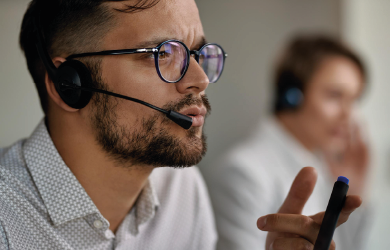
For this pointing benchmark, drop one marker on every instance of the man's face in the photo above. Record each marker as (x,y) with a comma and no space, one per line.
(133,133)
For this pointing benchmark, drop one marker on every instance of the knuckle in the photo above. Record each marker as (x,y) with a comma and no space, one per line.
(310,226)
(307,223)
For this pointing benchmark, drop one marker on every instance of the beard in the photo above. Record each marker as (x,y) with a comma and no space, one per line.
(151,143)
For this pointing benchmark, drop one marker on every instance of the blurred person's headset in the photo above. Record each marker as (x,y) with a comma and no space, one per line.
(73,82)
(289,93)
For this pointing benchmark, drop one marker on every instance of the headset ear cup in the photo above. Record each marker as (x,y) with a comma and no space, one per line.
(76,73)
(293,98)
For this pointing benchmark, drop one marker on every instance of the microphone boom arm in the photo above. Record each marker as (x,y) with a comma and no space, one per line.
(180,119)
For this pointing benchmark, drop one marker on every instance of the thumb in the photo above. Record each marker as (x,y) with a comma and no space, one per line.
(300,191)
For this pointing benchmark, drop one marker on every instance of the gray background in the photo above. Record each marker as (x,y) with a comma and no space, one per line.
(252,32)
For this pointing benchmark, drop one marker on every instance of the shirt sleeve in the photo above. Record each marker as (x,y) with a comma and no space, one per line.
(239,197)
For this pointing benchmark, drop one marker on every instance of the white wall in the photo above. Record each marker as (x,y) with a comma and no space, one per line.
(252,32)
(19,104)
(366,24)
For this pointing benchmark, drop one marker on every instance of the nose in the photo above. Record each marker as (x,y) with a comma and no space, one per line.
(195,80)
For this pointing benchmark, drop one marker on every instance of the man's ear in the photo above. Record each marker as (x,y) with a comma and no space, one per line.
(51,90)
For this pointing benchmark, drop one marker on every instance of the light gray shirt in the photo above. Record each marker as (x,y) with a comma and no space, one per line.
(43,206)
(254,178)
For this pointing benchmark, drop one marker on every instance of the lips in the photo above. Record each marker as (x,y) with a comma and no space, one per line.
(197,114)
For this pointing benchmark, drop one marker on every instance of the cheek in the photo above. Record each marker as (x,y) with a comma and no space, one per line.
(327,111)
(129,77)
(322,117)
(137,80)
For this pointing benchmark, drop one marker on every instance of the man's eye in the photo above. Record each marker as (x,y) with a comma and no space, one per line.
(163,55)
(201,59)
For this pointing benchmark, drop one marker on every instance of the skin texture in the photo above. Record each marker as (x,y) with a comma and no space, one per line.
(106,180)
(325,120)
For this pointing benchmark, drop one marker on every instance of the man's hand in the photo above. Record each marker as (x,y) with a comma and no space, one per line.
(288,229)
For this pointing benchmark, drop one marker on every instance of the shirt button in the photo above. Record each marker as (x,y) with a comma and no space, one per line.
(98,224)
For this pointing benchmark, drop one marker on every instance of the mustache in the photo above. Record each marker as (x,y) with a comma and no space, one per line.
(189,100)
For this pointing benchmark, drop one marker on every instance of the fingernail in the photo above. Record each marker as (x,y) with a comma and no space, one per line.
(261,222)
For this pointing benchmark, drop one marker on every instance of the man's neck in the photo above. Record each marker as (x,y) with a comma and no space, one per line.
(113,187)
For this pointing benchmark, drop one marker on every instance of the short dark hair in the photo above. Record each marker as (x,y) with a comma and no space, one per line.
(68,26)
(302,57)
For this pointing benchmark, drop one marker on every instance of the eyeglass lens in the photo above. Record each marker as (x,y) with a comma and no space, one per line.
(173,61)
(211,60)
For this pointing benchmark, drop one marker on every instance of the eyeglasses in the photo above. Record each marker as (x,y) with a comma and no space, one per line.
(172,59)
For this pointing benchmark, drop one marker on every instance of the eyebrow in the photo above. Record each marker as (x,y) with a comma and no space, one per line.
(152,43)
(202,42)
(155,42)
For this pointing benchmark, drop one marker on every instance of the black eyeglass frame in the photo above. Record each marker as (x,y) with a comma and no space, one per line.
(156,51)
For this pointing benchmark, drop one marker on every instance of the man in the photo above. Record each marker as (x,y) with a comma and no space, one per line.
(90,175)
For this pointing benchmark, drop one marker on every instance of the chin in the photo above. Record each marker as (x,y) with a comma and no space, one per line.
(336,145)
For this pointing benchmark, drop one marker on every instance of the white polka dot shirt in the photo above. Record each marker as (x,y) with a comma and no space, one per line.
(43,206)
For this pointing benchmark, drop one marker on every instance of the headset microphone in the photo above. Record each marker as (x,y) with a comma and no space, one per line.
(180,119)
(73,82)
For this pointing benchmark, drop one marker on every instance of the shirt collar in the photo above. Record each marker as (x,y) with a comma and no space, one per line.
(63,195)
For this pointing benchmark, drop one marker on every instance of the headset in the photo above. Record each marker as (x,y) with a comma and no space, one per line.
(289,94)
(73,82)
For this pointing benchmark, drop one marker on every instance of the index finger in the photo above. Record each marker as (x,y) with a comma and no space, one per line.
(300,191)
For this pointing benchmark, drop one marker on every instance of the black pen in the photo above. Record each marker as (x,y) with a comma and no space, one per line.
(332,213)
